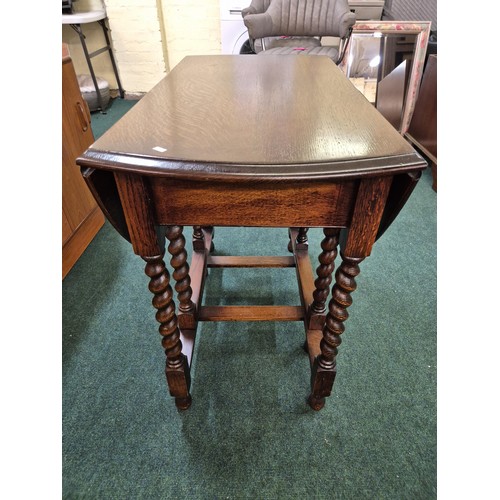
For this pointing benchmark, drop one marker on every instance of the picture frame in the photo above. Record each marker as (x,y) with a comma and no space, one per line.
(422,31)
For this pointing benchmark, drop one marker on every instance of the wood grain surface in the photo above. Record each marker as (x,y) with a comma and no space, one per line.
(256,203)
(275,116)
(81,217)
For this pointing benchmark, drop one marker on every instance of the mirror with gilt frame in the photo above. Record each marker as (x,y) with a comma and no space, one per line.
(385,61)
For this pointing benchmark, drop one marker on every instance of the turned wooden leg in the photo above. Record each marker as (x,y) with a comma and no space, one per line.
(301,242)
(324,272)
(198,239)
(177,250)
(212,246)
(302,236)
(324,367)
(176,369)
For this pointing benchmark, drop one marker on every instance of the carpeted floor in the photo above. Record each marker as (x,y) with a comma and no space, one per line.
(249,432)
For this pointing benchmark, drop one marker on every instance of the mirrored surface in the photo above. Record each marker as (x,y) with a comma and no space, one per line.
(384,61)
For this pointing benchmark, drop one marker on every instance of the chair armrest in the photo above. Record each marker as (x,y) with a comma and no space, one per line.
(259,25)
(345,23)
(255,7)
(248,10)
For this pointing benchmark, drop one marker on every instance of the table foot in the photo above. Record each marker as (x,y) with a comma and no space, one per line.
(183,403)
(178,378)
(322,377)
(316,403)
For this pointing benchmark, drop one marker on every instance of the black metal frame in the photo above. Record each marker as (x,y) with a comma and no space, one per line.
(89,56)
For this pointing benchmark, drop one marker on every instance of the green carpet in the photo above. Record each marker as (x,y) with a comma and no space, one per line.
(249,432)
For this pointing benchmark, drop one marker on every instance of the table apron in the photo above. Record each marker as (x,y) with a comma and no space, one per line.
(282,204)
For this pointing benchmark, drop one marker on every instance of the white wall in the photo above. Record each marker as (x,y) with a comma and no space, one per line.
(95,40)
(137,37)
(149,38)
(192,27)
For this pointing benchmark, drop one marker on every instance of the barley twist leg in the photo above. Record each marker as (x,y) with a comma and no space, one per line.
(176,369)
(181,268)
(325,270)
(325,365)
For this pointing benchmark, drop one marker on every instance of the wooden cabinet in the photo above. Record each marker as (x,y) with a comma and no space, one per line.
(81,217)
(422,132)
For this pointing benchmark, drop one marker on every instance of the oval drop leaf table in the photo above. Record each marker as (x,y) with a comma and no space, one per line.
(280,141)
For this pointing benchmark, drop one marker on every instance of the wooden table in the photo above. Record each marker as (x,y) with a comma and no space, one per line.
(248,141)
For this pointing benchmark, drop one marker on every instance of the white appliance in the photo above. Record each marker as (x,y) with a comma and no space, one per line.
(366,10)
(234,35)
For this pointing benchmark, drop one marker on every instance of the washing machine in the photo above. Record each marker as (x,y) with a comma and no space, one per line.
(234,34)
(367,10)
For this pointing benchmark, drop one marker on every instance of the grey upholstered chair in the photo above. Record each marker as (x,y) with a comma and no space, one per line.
(301,18)
(260,44)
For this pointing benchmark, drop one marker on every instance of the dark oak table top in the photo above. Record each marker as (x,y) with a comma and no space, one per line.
(240,116)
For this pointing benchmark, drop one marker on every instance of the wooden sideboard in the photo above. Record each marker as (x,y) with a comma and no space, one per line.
(81,217)
(422,132)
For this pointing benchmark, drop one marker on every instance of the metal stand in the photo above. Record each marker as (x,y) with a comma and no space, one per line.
(77,27)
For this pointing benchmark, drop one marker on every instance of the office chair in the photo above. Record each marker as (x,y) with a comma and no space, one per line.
(306,19)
